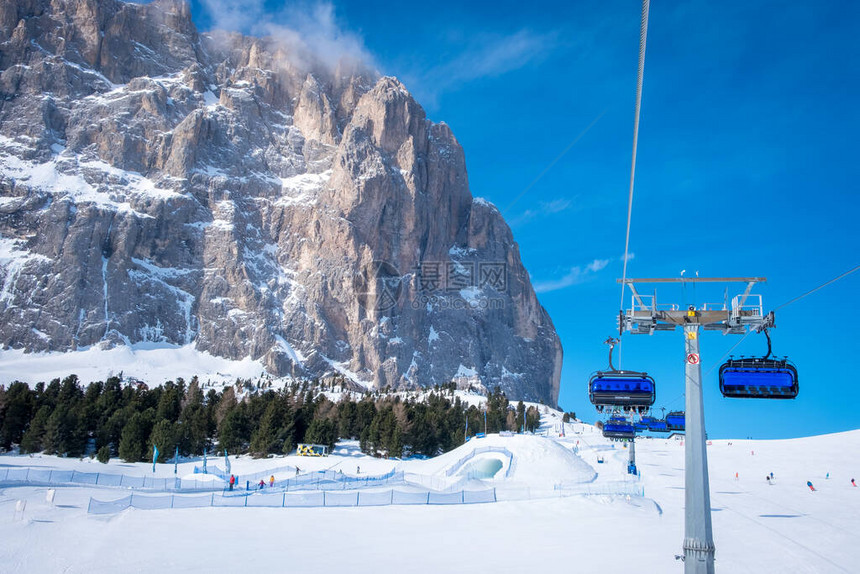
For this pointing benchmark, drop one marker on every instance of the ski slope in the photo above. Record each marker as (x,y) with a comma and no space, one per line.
(545,519)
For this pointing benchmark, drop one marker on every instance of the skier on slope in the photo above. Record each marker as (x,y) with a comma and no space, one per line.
(272,481)
(232,481)
(809,484)
(853,483)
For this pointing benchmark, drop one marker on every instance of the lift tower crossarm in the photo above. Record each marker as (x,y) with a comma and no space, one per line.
(751,280)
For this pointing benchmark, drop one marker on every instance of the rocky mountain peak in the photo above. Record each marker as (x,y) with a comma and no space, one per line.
(164,187)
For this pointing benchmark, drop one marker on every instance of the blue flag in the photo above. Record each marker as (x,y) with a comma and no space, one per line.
(204,461)
(175,460)
(226,461)
(154,456)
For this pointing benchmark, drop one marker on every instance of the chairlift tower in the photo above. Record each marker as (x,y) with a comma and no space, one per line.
(645,316)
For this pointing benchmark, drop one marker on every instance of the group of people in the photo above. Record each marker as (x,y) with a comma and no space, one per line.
(769,479)
(233,480)
(262,484)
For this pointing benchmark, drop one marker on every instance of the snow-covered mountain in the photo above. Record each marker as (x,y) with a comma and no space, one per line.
(239,195)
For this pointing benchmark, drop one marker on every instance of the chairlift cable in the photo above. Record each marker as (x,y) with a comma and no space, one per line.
(825,284)
(643,35)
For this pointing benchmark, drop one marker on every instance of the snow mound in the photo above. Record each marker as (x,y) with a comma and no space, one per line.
(536,460)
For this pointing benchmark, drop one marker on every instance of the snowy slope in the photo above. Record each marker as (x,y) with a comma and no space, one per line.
(153,363)
(758,527)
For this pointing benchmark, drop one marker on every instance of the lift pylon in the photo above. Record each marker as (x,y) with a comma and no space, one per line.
(646,316)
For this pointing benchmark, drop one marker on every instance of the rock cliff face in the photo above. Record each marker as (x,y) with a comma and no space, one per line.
(159,185)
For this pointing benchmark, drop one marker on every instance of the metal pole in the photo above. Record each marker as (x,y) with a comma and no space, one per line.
(698,533)
(631,462)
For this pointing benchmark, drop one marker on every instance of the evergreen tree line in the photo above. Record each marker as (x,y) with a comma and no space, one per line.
(113,418)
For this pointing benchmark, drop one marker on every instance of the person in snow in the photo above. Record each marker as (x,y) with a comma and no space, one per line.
(232,481)
(262,484)
(767,478)
(853,483)
(809,484)
(771,475)
(272,481)
(357,470)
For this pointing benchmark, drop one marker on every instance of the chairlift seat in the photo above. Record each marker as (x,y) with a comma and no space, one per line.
(758,378)
(675,421)
(619,430)
(626,389)
(658,425)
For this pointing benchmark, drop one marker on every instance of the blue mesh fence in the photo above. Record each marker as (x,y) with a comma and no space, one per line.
(375,498)
(46,476)
(265,500)
(340,498)
(150,502)
(193,501)
(305,499)
(290,500)
(108,507)
(479,496)
(445,498)
(400,497)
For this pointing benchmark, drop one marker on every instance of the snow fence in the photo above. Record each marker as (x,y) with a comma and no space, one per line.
(318,480)
(292,500)
(49,477)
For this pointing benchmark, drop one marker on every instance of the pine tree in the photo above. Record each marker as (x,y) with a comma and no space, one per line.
(15,414)
(135,435)
(103,455)
(322,431)
(164,436)
(32,440)
(521,416)
(231,431)
(264,440)
(346,413)
(532,419)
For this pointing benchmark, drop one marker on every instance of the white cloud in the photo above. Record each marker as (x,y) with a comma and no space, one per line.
(597,265)
(484,56)
(576,275)
(544,208)
(308,31)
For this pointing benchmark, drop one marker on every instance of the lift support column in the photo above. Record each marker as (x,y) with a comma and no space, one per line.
(698,534)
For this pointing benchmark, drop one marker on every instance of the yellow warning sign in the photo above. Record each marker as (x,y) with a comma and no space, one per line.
(692,335)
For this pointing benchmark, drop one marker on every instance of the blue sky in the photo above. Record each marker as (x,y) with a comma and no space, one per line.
(747,165)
